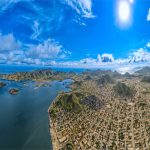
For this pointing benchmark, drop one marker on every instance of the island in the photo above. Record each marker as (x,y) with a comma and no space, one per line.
(2,84)
(13,91)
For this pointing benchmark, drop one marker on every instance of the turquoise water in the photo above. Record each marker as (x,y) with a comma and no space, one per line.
(24,117)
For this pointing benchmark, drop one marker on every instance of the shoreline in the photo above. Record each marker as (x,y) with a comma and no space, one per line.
(54,140)
(52,130)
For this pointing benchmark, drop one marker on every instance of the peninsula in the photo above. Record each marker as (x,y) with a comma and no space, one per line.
(104,111)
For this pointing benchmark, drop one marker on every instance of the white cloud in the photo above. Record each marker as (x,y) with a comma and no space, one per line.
(4,4)
(107,61)
(47,50)
(107,58)
(36,30)
(99,58)
(50,52)
(80,22)
(104,60)
(8,43)
(12,56)
(82,7)
(140,55)
(121,61)
(148,44)
(41,22)
(12,51)
(88,61)
(148,15)
(124,69)
(3,57)
(32,61)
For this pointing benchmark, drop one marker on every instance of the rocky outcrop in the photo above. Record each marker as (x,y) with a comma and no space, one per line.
(13,91)
(2,84)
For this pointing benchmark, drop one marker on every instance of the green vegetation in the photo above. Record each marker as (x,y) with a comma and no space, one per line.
(121,136)
(98,145)
(69,146)
(142,105)
(53,112)
(123,90)
(70,101)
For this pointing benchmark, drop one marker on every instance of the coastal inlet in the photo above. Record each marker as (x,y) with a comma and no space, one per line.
(24,117)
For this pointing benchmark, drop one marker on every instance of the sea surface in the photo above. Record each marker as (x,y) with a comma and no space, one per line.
(24,117)
(5,69)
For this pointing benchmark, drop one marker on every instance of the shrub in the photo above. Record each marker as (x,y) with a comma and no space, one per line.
(69,146)
(53,113)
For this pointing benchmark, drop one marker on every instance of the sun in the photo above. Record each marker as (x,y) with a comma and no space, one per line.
(124,11)
(131,1)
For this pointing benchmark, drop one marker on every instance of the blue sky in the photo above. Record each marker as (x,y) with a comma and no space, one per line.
(74,32)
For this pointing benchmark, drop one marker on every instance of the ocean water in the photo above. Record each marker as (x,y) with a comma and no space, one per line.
(24,117)
(12,69)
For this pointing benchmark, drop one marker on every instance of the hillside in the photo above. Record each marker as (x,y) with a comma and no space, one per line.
(46,74)
(143,71)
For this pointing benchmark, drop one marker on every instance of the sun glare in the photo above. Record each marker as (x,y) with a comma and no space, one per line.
(124,11)
(131,1)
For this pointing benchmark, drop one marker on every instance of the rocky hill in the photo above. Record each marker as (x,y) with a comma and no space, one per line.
(105,79)
(144,71)
(38,75)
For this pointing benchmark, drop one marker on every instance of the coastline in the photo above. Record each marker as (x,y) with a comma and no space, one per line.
(52,130)
(54,140)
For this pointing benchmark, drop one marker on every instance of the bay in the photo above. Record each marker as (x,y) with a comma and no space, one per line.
(24,117)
